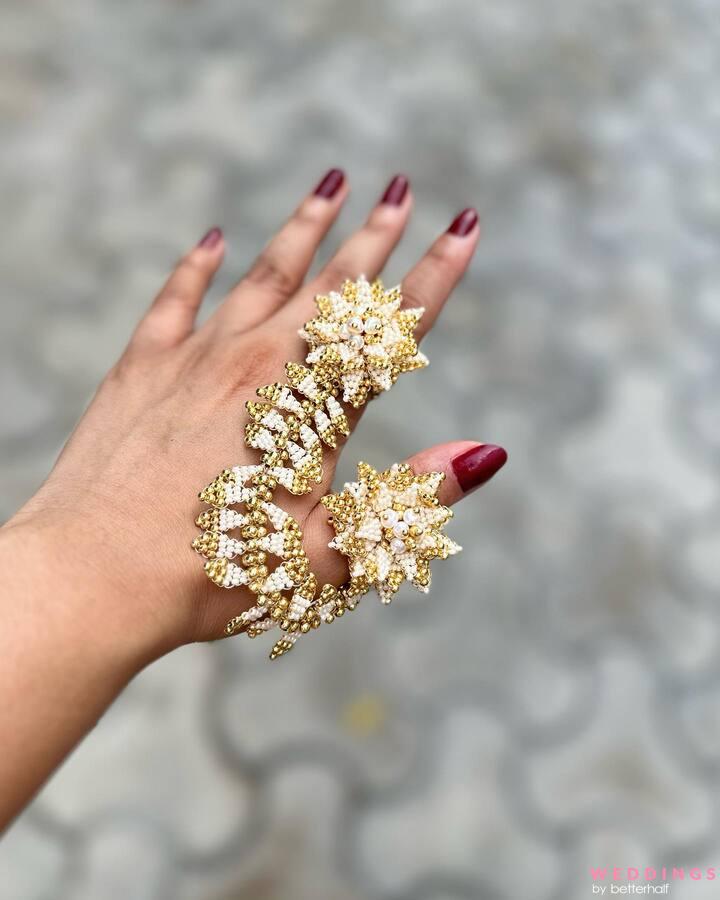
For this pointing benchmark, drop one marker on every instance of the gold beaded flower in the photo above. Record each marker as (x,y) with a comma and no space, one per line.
(364,337)
(389,525)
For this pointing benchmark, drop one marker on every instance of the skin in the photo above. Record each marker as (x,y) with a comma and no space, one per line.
(98,576)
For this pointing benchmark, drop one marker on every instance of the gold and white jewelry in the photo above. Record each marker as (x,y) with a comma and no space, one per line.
(370,336)
(360,343)
(389,525)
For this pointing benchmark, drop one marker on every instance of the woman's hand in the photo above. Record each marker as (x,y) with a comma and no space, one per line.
(170,414)
(99,577)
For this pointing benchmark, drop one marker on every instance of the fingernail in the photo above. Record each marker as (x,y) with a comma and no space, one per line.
(463,223)
(330,184)
(395,191)
(478,465)
(211,239)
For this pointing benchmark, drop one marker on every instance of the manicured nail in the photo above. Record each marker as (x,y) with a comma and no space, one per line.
(330,184)
(478,465)
(395,191)
(463,223)
(211,239)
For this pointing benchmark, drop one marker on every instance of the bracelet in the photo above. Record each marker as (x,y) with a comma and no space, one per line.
(388,524)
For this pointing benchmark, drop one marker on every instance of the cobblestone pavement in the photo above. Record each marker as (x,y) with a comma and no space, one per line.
(579,722)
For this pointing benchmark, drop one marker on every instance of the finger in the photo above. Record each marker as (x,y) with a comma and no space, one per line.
(429,284)
(282,266)
(365,253)
(466,465)
(431,281)
(171,317)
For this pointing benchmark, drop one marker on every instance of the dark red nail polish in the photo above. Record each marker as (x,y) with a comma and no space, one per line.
(211,239)
(478,465)
(330,184)
(463,223)
(395,191)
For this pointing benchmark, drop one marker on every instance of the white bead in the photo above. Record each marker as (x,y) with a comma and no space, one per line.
(397,546)
(389,518)
(400,529)
(373,325)
(356,341)
(410,516)
(355,325)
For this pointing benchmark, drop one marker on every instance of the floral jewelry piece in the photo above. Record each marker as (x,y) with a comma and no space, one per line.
(371,336)
(388,524)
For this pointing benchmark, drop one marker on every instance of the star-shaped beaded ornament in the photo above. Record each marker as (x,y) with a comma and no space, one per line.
(390,525)
(362,333)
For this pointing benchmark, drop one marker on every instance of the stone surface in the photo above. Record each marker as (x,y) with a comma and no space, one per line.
(404,755)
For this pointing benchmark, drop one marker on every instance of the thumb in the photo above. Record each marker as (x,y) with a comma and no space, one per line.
(466,465)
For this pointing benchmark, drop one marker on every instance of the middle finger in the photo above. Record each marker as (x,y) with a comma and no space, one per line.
(365,252)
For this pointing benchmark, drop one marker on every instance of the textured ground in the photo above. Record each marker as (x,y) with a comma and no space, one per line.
(577,720)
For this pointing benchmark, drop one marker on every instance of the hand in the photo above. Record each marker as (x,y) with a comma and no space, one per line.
(169,416)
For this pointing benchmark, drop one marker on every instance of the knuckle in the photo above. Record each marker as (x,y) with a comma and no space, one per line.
(377,230)
(439,256)
(267,272)
(337,270)
(191,263)
(379,224)
(260,364)
(172,298)
(171,307)
(308,215)
(182,284)
(417,294)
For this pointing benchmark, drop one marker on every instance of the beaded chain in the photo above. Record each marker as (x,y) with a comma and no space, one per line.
(388,524)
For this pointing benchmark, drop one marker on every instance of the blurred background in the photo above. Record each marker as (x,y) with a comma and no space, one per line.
(555,702)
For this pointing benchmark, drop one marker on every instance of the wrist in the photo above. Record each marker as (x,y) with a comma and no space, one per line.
(56,584)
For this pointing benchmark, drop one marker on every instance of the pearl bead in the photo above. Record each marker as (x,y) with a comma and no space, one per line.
(389,518)
(356,341)
(397,546)
(373,325)
(400,529)
(355,325)
(410,516)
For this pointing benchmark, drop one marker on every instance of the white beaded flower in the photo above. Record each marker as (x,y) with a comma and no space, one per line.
(389,525)
(364,335)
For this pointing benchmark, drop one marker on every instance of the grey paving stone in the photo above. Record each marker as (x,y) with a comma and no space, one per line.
(554,702)
(120,862)
(31,863)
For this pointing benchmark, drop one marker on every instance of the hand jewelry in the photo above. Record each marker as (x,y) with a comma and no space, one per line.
(388,524)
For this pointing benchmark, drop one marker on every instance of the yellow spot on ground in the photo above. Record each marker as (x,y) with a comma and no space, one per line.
(365,715)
